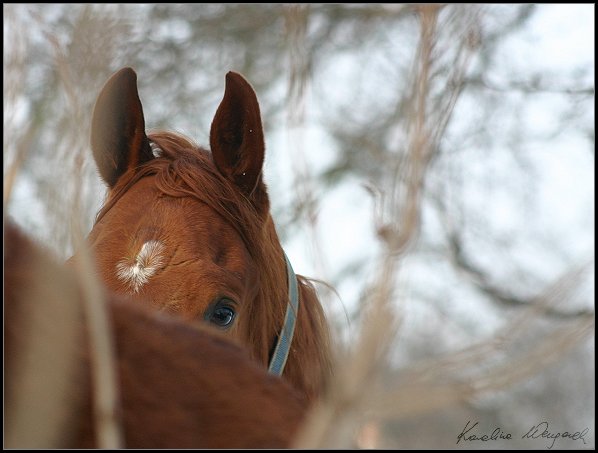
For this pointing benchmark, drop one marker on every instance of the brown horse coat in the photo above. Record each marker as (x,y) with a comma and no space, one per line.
(181,385)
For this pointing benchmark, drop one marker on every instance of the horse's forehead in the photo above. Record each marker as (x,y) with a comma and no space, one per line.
(181,224)
(146,231)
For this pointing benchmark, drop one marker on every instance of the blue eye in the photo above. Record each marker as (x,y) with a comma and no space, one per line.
(222,315)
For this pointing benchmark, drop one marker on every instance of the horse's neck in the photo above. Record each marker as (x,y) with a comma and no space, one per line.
(309,364)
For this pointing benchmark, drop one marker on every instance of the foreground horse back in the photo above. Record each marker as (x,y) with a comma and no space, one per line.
(180,385)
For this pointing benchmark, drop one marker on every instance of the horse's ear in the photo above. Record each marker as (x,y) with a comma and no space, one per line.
(237,139)
(118,139)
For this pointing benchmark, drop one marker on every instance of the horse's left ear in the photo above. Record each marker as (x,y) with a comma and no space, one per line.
(237,138)
(118,139)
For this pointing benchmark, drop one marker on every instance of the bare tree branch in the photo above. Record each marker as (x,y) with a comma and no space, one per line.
(505,298)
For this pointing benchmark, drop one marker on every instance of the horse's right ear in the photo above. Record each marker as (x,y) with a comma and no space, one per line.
(118,139)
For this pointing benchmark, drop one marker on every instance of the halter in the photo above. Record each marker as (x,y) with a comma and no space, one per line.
(283,345)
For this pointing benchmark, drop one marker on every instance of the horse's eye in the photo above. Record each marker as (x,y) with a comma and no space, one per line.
(222,316)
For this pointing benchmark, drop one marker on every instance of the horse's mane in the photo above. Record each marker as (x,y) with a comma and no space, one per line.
(184,169)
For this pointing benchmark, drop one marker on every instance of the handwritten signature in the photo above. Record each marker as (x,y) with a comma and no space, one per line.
(539,431)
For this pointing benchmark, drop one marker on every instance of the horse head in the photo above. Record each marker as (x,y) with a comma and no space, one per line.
(189,231)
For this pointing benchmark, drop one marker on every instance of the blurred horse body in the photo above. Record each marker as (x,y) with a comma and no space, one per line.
(181,385)
(189,231)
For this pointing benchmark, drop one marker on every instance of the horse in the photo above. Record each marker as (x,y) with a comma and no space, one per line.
(188,230)
(181,384)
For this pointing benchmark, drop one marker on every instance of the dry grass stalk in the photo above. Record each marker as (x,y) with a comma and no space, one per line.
(71,150)
(16,143)
(335,420)
(105,389)
(306,200)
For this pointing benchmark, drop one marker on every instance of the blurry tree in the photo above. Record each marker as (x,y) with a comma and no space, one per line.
(487,247)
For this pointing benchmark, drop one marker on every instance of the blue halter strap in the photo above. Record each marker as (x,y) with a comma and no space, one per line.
(283,346)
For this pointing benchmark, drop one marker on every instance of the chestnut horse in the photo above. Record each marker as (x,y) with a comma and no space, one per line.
(189,231)
(180,385)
